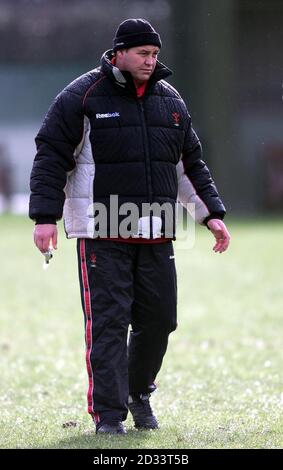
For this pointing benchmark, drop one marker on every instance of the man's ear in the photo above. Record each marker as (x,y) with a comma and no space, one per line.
(121,52)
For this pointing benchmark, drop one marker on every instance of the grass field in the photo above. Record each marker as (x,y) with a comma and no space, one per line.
(221,381)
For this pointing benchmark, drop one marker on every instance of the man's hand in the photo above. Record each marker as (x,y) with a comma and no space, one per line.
(42,235)
(222,236)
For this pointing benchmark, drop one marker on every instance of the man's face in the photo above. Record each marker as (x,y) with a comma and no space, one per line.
(140,61)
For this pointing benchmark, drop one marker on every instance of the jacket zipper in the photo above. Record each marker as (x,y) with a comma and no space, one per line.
(147,161)
(146,151)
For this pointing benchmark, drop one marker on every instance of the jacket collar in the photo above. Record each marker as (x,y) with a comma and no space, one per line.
(125,79)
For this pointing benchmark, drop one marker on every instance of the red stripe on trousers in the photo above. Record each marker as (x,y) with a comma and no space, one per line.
(87,304)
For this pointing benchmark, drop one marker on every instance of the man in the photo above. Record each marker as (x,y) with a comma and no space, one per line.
(120,134)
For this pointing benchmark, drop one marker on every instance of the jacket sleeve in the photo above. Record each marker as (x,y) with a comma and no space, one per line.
(56,141)
(196,188)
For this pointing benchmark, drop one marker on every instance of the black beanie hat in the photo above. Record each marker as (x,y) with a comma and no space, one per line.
(135,32)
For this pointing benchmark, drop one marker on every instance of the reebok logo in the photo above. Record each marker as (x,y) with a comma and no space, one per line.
(107,115)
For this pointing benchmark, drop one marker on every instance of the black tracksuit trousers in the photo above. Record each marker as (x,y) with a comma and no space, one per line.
(123,284)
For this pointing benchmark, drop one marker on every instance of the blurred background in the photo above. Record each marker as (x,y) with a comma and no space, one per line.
(228,65)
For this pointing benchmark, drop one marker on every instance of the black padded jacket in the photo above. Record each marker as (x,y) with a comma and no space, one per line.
(99,139)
